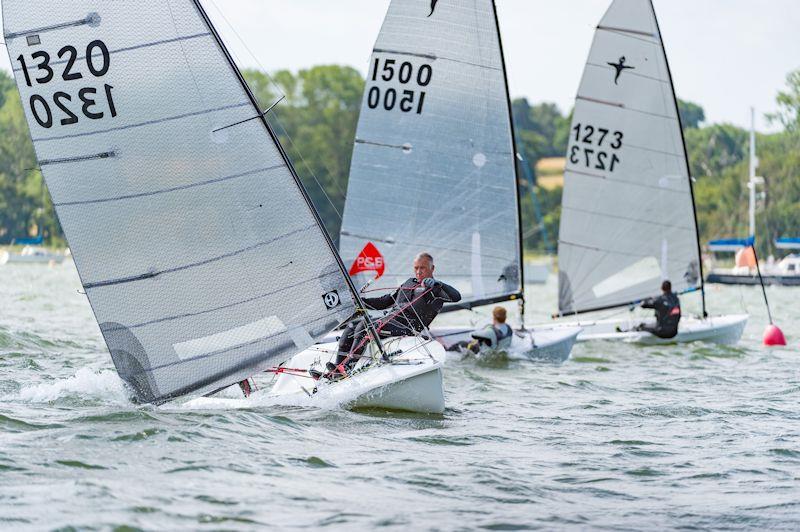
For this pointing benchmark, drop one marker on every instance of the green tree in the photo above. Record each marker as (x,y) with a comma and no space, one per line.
(788,101)
(24,205)
(317,125)
(691,114)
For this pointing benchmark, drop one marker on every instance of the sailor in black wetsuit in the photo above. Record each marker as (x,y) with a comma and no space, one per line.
(413,307)
(668,313)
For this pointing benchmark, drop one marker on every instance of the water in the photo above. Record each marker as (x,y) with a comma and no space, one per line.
(622,437)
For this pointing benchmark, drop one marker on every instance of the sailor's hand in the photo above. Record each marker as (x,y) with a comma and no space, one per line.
(430,282)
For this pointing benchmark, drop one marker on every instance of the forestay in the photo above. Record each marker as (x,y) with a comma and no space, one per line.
(199,252)
(433,164)
(627,219)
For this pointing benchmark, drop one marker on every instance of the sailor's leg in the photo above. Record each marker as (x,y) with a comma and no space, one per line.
(665,333)
(346,342)
(351,340)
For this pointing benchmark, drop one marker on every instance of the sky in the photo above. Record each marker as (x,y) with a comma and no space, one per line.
(726,55)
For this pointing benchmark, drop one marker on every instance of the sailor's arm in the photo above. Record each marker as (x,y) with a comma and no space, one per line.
(447,292)
(649,303)
(379,303)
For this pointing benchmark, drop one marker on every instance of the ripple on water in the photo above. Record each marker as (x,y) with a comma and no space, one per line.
(314,462)
(14,425)
(78,464)
(786,453)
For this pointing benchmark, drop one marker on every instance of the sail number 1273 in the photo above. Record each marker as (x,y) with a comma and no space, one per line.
(66,108)
(595,147)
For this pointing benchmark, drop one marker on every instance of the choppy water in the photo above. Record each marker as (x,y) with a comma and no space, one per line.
(623,437)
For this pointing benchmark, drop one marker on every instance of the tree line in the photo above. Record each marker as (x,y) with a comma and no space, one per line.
(317,122)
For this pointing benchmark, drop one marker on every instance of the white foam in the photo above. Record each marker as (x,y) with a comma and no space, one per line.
(85,383)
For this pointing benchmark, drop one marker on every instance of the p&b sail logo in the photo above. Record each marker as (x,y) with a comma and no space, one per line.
(369,260)
(433,7)
(332,299)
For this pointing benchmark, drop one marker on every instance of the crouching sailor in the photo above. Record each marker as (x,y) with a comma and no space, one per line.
(668,313)
(412,308)
(496,336)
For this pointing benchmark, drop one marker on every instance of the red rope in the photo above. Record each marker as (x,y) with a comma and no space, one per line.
(291,371)
(385,321)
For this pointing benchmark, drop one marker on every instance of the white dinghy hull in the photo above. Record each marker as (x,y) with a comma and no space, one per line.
(545,345)
(725,330)
(411,382)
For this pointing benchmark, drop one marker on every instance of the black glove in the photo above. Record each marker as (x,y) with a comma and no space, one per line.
(430,282)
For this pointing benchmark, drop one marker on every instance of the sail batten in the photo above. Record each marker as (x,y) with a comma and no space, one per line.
(433,166)
(201,254)
(628,220)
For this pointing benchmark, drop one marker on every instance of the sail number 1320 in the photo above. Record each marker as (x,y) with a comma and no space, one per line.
(65,107)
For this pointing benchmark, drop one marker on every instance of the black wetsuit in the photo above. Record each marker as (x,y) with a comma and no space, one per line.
(418,311)
(668,314)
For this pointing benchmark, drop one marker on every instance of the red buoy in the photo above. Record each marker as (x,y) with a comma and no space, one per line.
(773,336)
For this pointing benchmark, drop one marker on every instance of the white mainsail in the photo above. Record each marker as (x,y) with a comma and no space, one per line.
(201,256)
(628,217)
(433,166)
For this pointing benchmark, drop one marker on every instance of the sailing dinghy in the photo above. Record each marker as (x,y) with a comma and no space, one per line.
(628,215)
(143,125)
(433,165)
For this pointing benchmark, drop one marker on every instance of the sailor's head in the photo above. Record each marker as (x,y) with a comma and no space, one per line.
(666,287)
(499,315)
(423,266)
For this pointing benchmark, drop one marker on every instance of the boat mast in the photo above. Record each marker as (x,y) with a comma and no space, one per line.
(688,167)
(263,118)
(754,180)
(516,171)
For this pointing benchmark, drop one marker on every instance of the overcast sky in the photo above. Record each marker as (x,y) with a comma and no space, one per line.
(724,54)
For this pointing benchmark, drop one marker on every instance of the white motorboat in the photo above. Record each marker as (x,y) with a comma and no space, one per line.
(31,255)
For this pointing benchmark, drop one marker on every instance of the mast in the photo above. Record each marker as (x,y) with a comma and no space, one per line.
(686,159)
(751,184)
(295,176)
(516,170)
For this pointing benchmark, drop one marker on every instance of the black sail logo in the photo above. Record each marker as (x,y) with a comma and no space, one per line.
(620,67)
(433,7)
(331,299)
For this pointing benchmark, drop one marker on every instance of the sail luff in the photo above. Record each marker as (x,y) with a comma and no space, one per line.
(516,169)
(688,166)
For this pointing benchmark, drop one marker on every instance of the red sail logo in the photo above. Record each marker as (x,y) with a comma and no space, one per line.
(369,260)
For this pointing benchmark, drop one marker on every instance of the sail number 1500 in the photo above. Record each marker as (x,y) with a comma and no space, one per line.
(407,100)
(98,62)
